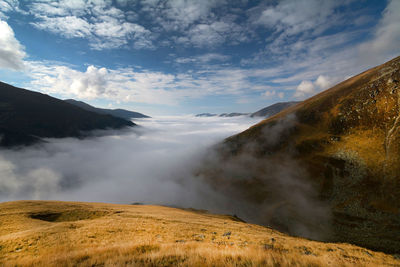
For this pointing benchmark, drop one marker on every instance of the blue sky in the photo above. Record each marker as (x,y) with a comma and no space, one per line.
(164,57)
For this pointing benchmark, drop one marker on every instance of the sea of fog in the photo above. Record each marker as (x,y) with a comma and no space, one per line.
(151,164)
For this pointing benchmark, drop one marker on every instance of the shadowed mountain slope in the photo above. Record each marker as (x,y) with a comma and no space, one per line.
(327,168)
(27,116)
(120,113)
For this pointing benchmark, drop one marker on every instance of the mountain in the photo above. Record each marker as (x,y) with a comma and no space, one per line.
(273,109)
(233,114)
(27,116)
(120,113)
(206,115)
(265,112)
(327,168)
(55,233)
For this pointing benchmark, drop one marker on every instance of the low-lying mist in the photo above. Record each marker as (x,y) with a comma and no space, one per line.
(264,181)
(172,161)
(144,164)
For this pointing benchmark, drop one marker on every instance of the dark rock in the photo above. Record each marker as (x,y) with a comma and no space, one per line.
(227,234)
(268,246)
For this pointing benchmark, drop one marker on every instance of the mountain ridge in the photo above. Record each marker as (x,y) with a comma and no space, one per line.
(264,112)
(27,116)
(120,113)
(232,114)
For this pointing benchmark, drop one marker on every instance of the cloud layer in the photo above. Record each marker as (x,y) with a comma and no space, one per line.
(146,164)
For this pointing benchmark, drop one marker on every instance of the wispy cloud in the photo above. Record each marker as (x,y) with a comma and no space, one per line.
(104,25)
(202,59)
(189,23)
(180,15)
(292,17)
(213,34)
(386,39)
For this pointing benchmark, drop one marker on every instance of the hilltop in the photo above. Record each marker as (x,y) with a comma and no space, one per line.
(329,165)
(26,117)
(53,233)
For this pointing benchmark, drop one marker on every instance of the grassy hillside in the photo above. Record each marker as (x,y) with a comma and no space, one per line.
(27,116)
(50,233)
(344,142)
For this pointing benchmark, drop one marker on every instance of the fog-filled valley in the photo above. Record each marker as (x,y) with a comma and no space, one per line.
(151,163)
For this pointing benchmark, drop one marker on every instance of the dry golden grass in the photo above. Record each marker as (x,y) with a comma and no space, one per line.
(95,234)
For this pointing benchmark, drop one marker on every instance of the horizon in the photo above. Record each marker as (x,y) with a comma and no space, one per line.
(186,57)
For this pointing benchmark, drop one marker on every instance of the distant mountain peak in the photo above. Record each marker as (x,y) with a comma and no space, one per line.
(120,113)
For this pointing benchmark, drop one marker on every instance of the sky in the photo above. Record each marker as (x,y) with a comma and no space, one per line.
(174,57)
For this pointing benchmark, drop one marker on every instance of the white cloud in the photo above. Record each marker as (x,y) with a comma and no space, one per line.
(307,88)
(65,81)
(323,82)
(304,88)
(269,94)
(273,93)
(11,51)
(92,83)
